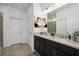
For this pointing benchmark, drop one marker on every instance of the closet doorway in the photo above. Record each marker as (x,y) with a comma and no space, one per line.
(1,30)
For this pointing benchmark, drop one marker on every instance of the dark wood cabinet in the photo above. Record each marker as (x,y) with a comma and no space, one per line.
(53,50)
(39,45)
(36,44)
(46,47)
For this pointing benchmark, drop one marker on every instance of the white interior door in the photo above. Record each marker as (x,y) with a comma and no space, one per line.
(17,28)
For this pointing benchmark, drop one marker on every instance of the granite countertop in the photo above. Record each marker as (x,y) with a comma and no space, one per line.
(64,41)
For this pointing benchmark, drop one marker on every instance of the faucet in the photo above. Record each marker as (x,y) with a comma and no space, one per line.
(41,33)
(68,35)
(52,34)
(75,35)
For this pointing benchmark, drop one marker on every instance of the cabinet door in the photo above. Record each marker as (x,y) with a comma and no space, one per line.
(41,52)
(36,44)
(47,51)
(39,45)
(51,51)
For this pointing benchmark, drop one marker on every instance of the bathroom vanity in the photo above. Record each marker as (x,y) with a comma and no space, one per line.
(66,26)
(47,45)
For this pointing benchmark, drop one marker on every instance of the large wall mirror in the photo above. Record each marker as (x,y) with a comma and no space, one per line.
(51,22)
(64,20)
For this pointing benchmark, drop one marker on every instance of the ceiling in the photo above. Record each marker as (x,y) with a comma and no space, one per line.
(22,6)
(45,6)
